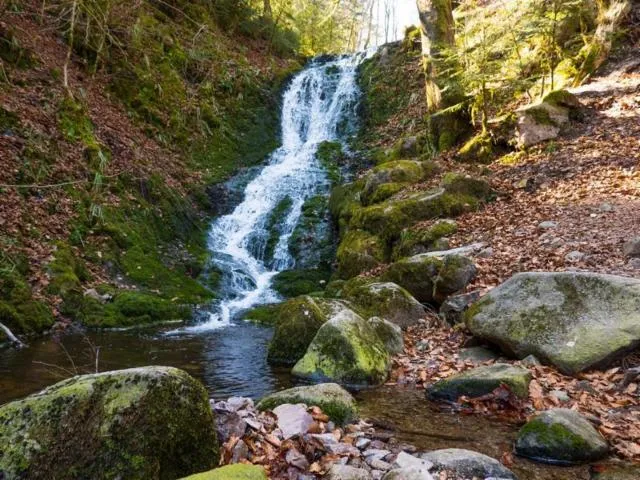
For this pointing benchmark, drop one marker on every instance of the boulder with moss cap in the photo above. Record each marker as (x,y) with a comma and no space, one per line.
(574,321)
(560,436)
(142,423)
(348,350)
(334,400)
(481,381)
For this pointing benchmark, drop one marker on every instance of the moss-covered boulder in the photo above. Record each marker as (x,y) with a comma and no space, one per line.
(390,334)
(312,242)
(298,321)
(359,252)
(142,423)
(432,278)
(560,436)
(334,400)
(294,283)
(232,472)
(481,381)
(19,310)
(398,173)
(346,350)
(386,300)
(477,149)
(575,321)
(343,202)
(457,183)
(414,241)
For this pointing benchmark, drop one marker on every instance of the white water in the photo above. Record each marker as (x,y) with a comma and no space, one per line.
(318,102)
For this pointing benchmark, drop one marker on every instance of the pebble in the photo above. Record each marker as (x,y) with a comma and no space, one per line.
(547,225)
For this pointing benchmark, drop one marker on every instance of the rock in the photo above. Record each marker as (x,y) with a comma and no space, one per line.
(477,354)
(481,381)
(547,225)
(560,436)
(298,321)
(560,395)
(453,308)
(330,444)
(293,420)
(396,172)
(240,452)
(458,183)
(467,464)
(334,400)
(430,279)
(345,472)
(575,256)
(632,247)
(389,333)
(229,424)
(359,252)
(404,460)
(530,361)
(485,253)
(387,300)
(232,472)
(545,120)
(142,423)
(295,458)
(408,474)
(606,208)
(634,263)
(347,350)
(414,241)
(575,321)
(618,472)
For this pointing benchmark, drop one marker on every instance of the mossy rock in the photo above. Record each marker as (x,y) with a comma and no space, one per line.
(297,322)
(466,185)
(398,172)
(359,252)
(334,400)
(294,283)
(390,334)
(477,149)
(312,244)
(414,241)
(19,311)
(232,472)
(384,192)
(346,350)
(386,300)
(343,201)
(142,423)
(574,321)
(430,278)
(482,381)
(560,436)
(332,158)
(263,314)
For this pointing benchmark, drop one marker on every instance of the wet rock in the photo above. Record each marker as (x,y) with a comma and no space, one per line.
(232,472)
(453,308)
(151,422)
(345,472)
(481,381)
(467,464)
(574,321)
(293,420)
(560,436)
(386,300)
(334,400)
(432,278)
(632,247)
(477,354)
(347,350)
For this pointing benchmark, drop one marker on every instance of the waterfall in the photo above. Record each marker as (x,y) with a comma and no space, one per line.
(318,103)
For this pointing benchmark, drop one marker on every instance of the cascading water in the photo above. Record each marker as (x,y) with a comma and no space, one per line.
(319,102)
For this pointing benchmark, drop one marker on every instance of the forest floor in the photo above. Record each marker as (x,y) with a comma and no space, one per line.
(587,182)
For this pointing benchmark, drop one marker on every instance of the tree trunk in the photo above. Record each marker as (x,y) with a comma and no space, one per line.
(266,11)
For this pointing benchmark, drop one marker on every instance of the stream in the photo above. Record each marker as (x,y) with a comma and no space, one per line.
(229,355)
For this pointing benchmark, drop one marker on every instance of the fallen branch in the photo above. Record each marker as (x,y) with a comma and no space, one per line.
(12,338)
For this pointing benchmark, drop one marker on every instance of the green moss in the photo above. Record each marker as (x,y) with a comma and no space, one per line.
(478,149)
(75,123)
(359,251)
(293,283)
(8,120)
(274,226)
(19,311)
(232,472)
(541,116)
(312,243)
(331,157)
(343,202)
(384,192)
(11,52)
(414,241)
(465,185)
(142,423)
(298,321)
(263,314)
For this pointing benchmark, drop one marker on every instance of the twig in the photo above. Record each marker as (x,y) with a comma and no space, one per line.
(12,338)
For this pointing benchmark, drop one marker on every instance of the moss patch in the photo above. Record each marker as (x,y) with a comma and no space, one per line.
(232,472)
(293,283)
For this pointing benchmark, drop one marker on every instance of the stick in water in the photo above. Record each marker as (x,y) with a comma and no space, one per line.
(12,337)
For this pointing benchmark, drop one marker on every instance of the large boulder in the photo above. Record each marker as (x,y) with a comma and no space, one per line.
(334,400)
(414,241)
(481,381)
(232,472)
(142,423)
(431,278)
(467,464)
(386,300)
(575,321)
(359,252)
(297,322)
(346,349)
(560,436)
